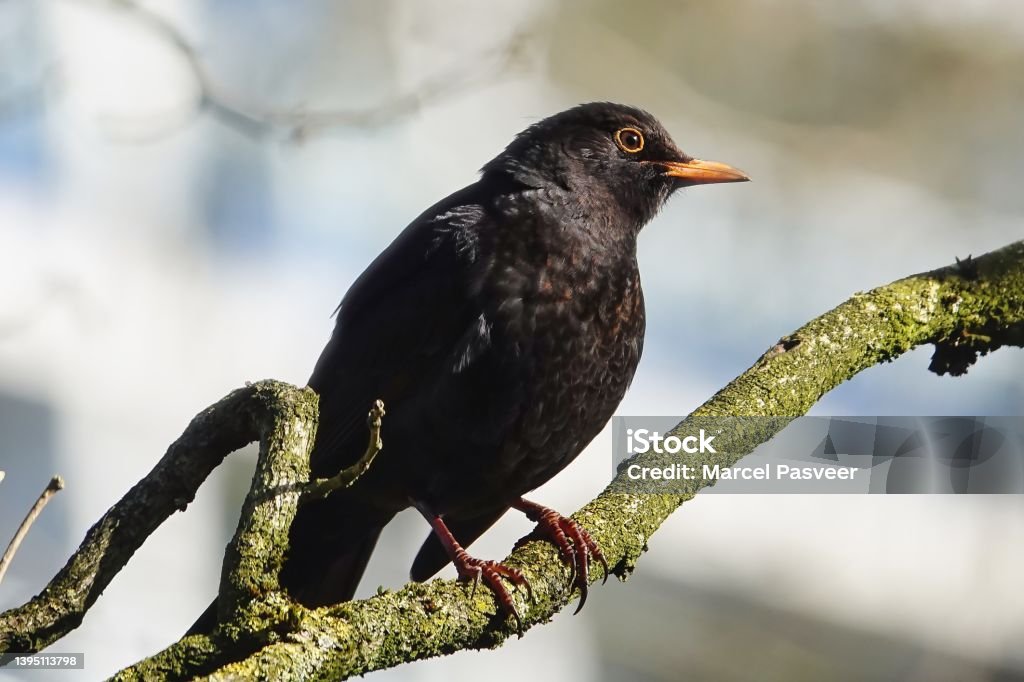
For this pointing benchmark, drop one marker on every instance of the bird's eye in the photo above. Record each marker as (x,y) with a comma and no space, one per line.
(629,140)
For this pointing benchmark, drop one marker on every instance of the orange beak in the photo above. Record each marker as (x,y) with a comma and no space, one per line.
(697,172)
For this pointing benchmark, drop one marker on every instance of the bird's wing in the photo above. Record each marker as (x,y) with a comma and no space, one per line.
(409,318)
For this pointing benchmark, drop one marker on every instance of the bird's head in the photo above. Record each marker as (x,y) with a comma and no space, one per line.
(607,156)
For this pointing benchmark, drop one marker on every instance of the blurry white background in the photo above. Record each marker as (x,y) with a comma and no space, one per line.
(156,252)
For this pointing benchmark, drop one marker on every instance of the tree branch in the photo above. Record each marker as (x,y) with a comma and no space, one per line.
(230,424)
(965,310)
(299,123)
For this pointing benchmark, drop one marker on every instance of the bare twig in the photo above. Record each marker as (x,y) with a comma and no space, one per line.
(297,124)
(55,485)
(322,487)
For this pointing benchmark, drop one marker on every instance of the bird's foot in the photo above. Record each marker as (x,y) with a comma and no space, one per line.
(574,543)
(491,573)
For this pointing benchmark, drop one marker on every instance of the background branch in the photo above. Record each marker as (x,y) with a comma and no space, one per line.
(971,307)
(55,485)
(298,123)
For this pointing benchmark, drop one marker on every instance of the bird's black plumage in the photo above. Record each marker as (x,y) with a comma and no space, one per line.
(501,328)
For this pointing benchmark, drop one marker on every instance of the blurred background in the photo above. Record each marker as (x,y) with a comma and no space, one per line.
(188,188)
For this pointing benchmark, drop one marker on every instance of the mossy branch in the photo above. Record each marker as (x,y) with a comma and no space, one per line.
(966,310)
(245,415)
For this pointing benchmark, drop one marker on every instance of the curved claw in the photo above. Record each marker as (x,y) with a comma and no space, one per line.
(477,570)
(581,538)
(513,575)
(491,574)
(574,543)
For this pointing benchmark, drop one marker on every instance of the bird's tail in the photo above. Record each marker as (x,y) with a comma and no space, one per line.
(206,622)
(329,552)
(331,542)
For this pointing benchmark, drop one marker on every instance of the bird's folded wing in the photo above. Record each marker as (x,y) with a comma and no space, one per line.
(407,322)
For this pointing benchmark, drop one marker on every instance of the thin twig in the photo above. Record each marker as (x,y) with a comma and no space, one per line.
(322,487)
(298,123)
(56,484)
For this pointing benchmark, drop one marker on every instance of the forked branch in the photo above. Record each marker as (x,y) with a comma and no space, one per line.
(965,310)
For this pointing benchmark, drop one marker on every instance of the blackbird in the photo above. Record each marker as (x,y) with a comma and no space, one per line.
(501,328)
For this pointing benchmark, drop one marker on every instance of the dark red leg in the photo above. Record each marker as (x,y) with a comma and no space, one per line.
(470,568)
(573,542)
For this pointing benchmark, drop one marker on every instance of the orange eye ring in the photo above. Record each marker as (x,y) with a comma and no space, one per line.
(630,140)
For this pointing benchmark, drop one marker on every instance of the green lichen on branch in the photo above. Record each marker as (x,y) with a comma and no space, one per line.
(254,556)
(222,428)
(440,617)
(976,304)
